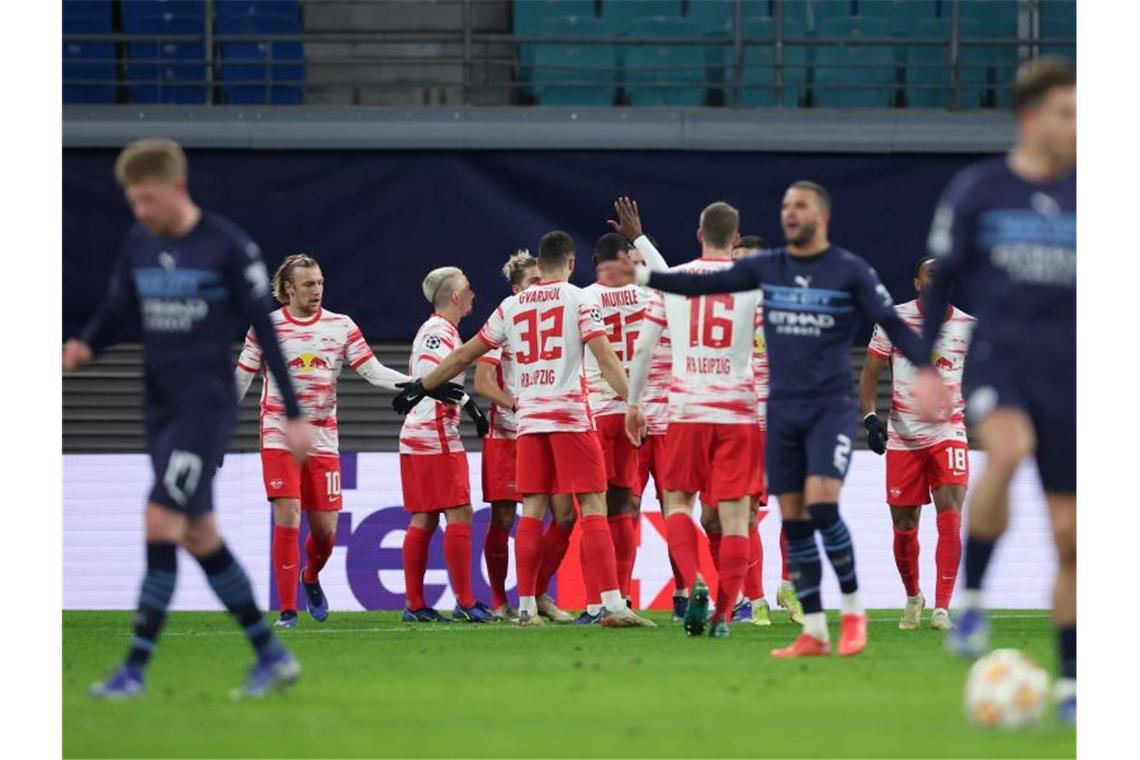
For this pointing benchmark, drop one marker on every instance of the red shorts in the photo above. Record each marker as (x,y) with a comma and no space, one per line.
(649,463)
(560,463)
(434,482)
(316,482)
(499,470)
(912,475)
(714,459)
(757,485)
(620,455)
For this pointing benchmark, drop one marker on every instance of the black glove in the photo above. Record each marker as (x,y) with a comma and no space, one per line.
(876,433)
(411,394)
(482,427)
(452,393)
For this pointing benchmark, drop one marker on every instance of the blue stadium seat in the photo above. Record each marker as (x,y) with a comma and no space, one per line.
(153,69)
(528,17)
(903,16)
(928,74)
(816,13)
(228,9)
(715,16)
(619,14)
(93,61)
(759,72)
(593,65)
(995,18)
(1059,21)
(840,66)
(640,81)
(133,10)
(245,61)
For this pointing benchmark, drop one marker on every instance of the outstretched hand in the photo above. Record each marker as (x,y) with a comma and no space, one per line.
(411,393)
(628,224)
(450,392)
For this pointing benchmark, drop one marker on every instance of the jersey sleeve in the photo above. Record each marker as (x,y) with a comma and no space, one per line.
(951,243)
(494,332)
(493,356)
(744,274)
(654,261)
(356,349)
(590,323)
(880,344)
(655,311)
(430,351)
(877,305)
(250,358)
(117,305)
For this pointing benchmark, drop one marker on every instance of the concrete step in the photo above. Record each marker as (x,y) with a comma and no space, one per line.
(402,15)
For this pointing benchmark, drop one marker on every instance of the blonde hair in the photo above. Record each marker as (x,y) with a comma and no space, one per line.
(440,284)
(518,264)
(284,273)
(153,158)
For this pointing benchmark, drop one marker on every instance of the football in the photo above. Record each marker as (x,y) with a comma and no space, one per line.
(1006,689)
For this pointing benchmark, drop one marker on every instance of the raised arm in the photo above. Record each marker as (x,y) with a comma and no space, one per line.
(651,331)
(628,225)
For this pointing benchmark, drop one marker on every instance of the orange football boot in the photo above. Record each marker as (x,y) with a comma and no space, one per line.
(805,645)
(853,634)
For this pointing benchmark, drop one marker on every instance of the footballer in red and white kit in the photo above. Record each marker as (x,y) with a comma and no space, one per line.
(433,463)
(925,459)
(711,438)
(317,343)
(547,327)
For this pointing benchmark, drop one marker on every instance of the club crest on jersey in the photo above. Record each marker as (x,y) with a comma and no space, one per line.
(308,362)
(277,484)
(432,342)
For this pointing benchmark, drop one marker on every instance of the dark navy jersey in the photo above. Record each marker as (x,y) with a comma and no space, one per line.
(811,310)
(195,294)
(1010,247)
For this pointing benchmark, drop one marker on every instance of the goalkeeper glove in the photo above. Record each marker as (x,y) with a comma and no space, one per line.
(477,416)
(876,433)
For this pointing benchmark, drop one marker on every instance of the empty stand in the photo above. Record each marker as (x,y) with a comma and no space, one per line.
(279,63)
(83,60)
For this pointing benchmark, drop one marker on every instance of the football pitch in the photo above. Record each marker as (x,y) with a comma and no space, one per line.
(373,687)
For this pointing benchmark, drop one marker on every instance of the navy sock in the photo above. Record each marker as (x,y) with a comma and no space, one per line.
(231,584)
(837,543)
(154,598)
(804,563)
(978,552)
(1067,643)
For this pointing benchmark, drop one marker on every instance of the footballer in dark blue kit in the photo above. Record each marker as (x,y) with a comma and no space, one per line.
(814,293)
(1005,236)
(196,280)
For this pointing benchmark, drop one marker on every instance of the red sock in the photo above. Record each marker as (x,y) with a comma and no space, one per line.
(947,556)
(678,581)
(621,530)
(733,566)
(682,537)
(528,554)
(457,553)
(317,554)
(599,551)
(593,595)
(555,542)
(286,564)
(496,553)
(785,574)
(906,559)
(754,577)
(714,547)
(416,543)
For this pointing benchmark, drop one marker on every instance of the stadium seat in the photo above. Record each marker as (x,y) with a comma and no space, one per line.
(133,10)
(1059,21)
(715,16)
(642,83)
(594,65)
(928,74)
(231,8)
(995,18)
(153,69)
(243,61)
(816,13)
(528,15)
(759,73)
(903,16)
(619,14)
(88,60)
(842,66)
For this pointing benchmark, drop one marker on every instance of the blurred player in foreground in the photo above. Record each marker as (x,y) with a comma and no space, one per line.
(495,380)
(548,326)
(433,463)
(925,459)
(197,280)
(1006,232)
(316,343)
(813,294)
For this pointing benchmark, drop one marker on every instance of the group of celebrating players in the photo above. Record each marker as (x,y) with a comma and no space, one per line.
(725,379)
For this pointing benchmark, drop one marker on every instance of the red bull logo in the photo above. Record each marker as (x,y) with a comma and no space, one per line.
(941,362)
(308,362)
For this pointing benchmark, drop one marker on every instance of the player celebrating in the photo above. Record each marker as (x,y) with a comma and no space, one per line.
(923,458)
(433,464)
(548,326)
(813,294)
(495,381)
(1005,230)
(711,437)
(316,343)
(195,277)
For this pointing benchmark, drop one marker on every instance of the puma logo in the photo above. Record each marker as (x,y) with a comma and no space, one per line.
(803,282)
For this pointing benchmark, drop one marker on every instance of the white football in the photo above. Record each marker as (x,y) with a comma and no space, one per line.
(1006,689)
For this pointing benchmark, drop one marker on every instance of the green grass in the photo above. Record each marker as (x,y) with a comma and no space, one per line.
(375,687)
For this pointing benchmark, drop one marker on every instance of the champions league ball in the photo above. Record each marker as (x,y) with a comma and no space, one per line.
(1006,689)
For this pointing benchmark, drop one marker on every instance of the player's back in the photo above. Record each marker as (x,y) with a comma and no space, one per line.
(712,343)
(623,311)
(546,328)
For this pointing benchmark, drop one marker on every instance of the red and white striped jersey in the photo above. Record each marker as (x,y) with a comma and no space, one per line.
(655,397)
(760,368)
(315,350)
(623,312)
(712,338)
(503,421)
(905,430)
(547,327)
(432,427)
